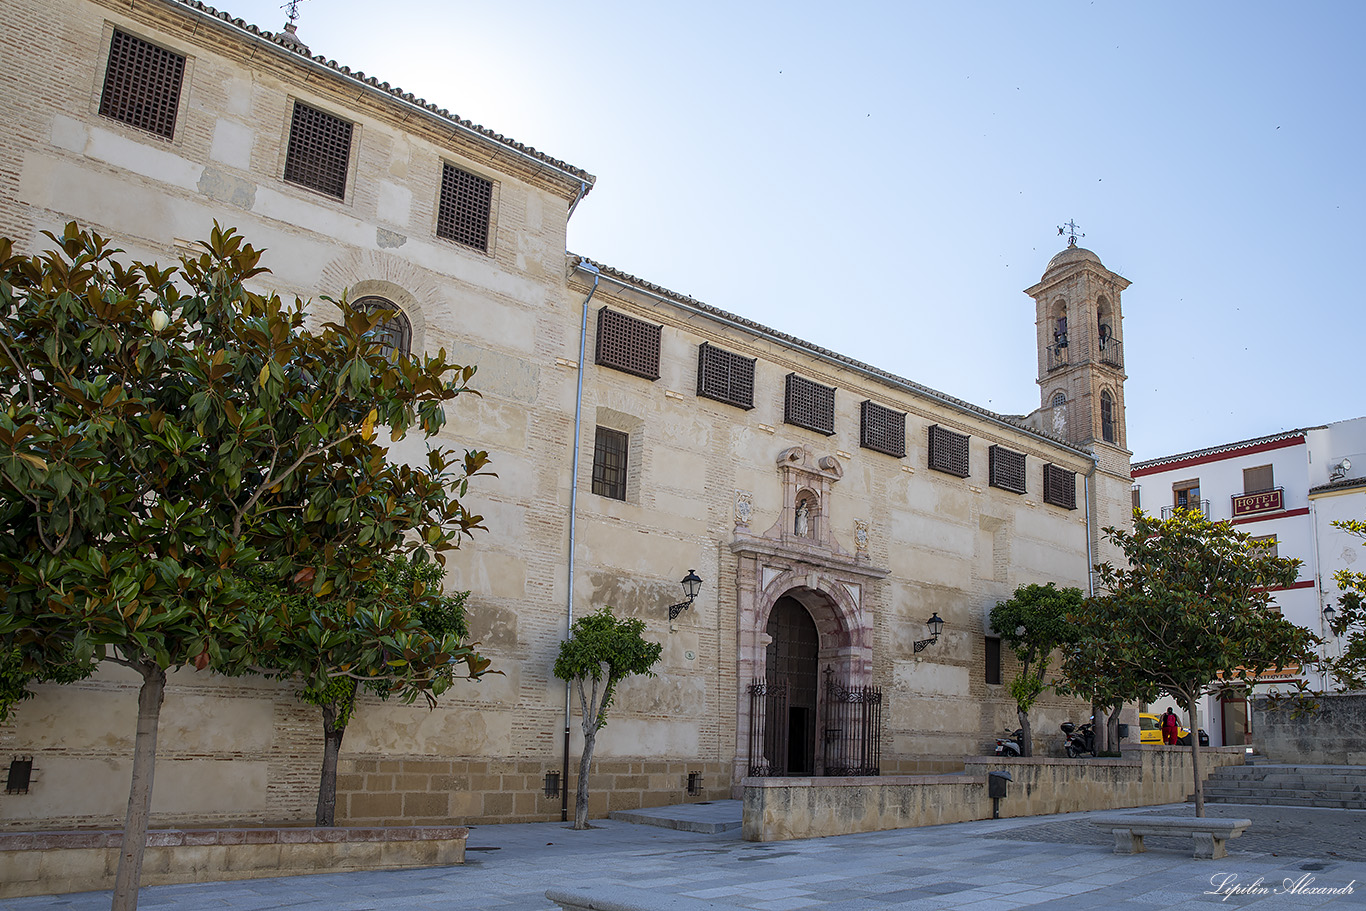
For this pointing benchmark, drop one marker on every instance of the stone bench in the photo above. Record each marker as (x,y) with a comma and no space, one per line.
(626,898)
(1209,835)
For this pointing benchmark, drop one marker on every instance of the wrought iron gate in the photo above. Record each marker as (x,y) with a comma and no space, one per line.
(851,728)
(851,731)
(767,728)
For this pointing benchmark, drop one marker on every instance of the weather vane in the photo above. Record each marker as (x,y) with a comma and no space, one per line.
(1070,229)
(291,10)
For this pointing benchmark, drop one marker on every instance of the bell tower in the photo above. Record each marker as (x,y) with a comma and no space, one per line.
(1080,339)
(1078,319)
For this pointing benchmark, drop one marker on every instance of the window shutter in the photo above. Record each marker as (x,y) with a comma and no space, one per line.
(462,215)
(142,85)
(882,430)
(948,451)
(1006,469)
(1060,486)
(319,151)
(1258,479)
(809,404)
(725,376)
(628,344)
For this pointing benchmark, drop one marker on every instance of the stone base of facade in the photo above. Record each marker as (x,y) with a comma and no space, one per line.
(431,791)
(44,863)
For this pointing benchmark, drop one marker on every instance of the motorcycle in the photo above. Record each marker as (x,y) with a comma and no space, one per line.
(1012,747)
(1080,740)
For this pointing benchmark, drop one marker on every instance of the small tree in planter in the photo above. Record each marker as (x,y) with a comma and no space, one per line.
(600,652)
(1033,623)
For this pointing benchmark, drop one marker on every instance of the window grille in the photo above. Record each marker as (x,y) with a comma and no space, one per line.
(394,334)
(882,430)
(1060,486)
(1138,499)
(462,215)
(319,151)
(1107,417)
(1006,469)
(142,85)
(948,451)
(20,775)
(609,463)
(628,344)
(809,404)
(725,376)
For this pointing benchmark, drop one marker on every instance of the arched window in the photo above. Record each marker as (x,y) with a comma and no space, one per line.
(395,334)
(1059,399)
(1103,331)
(1107,417)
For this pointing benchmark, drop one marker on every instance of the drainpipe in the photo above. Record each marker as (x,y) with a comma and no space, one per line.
(1318,587)
(1090,557)
(573,520)
(583,190)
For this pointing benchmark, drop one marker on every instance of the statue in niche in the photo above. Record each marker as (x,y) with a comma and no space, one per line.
(801,525)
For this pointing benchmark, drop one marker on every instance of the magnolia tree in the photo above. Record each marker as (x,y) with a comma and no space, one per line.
(1192,607)
(164,432)
(601,651)
(1091,671)
(1348,668)
(1033,623)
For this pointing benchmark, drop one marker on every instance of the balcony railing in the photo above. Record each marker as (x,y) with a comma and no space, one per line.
(1057,356)
(1110,353)
(1201,506)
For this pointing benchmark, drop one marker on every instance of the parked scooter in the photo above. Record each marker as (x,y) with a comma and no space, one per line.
(1012,747)
(1080,740)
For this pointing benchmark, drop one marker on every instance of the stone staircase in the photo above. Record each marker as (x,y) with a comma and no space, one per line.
(1286,785)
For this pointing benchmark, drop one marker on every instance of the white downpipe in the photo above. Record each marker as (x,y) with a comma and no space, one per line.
(573,523)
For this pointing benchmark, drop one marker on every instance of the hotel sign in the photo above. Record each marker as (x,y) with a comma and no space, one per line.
(1266,501)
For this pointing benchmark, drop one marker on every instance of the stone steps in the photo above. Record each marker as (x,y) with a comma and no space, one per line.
(1289,785)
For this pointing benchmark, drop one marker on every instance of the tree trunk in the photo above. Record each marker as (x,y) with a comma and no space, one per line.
(1112,728)
(1027,738)
(581,794)
(1189,702)
(1098,731)
(333,732)
(135,824)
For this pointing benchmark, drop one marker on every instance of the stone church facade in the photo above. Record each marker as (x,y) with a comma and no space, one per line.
(830,508)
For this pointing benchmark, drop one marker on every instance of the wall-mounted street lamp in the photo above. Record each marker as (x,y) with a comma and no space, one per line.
(936,625)
(691,583)
(1329,612)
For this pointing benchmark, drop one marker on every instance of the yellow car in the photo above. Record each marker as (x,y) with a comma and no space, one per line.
(1150,729)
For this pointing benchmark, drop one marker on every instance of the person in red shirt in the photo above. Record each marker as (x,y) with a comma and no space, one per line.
(1170,726)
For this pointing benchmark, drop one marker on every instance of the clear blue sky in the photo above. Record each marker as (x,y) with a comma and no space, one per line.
(884,179)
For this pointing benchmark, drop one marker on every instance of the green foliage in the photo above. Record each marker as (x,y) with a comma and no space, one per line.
(1192,607)
(1348,669)
(605,649)
(1033,623)
(170,427)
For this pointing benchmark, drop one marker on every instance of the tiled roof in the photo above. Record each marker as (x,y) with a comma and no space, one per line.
(626,278)
(292,45)
(1344,484)
(1220,450)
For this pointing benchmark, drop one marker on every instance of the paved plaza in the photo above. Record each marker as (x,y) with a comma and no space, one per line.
(1042,862)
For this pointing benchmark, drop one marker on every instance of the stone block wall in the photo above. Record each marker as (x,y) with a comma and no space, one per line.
(428,791)
(1333,733)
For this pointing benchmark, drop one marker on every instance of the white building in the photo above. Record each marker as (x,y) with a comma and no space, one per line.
(1285,489)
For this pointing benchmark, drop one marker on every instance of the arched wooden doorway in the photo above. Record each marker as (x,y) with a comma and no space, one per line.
(792,664)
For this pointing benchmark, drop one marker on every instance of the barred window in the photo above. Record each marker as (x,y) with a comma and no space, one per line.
(993,662)
(725,376)
(882,429)
(319,151)
(1006,469)
(809,404)
(628,344)
(394,334)
(462,215)
(609,463)
(1060,486)
(948,451)
(142,85)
